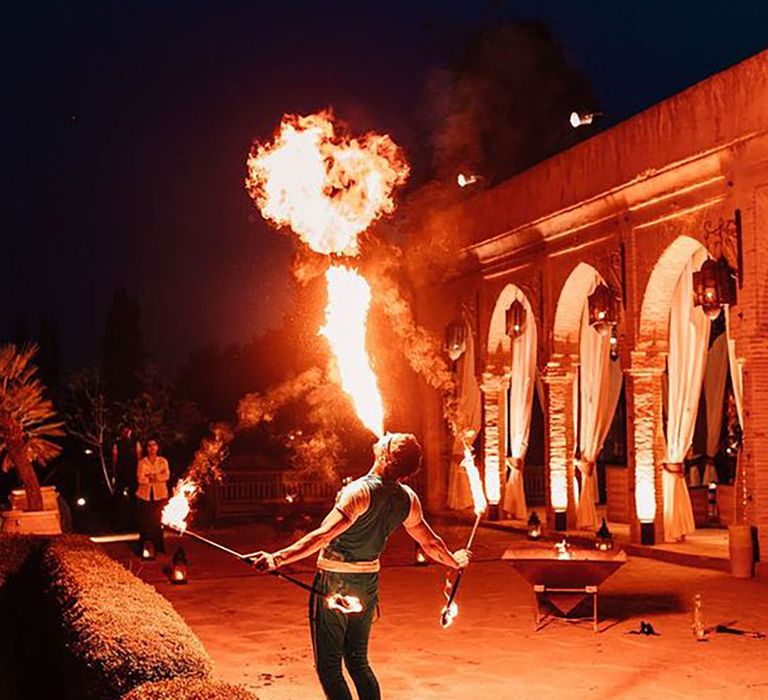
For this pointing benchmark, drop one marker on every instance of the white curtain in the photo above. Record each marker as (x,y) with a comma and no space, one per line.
(737,377)
(469,417)
(519,404)
(595,413)
(688,337)
(714,393)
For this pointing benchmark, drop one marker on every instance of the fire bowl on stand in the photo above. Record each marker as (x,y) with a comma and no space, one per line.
(563,578)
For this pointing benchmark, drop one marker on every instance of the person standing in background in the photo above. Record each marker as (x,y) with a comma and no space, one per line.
(152,474)
(126,453)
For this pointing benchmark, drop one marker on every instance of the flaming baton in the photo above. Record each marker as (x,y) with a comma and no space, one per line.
(451,609)
(175,516)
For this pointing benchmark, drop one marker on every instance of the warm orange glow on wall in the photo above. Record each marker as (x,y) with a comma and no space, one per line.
(492,480)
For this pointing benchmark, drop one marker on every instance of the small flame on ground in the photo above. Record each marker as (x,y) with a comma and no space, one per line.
(349,298)
(475,484)
(325,185)
(177,509)
(345,604)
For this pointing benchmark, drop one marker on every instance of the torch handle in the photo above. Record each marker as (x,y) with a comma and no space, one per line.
(246,560)
(457,581)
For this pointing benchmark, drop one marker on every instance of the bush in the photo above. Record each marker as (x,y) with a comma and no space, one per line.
(116,632)
(15,550)
(189,689)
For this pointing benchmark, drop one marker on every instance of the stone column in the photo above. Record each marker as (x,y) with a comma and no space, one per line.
(645,438)
(558,376)
(494,403)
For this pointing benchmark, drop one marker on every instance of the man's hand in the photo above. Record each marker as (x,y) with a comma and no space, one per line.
(264,561)
(462,557)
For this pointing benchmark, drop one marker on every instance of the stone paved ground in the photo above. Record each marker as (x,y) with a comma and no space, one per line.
(255,628)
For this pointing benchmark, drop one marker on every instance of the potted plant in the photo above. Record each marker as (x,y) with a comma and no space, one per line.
(27,425)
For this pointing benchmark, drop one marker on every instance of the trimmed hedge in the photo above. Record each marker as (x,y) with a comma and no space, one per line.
(15,550)
(115,632)
(189,689)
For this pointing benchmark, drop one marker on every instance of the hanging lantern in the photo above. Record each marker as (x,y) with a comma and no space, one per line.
(614,344)
(179,567)
(714,286)
(456,340)
(515,319)
(603,309)
(534,526)
(604,538)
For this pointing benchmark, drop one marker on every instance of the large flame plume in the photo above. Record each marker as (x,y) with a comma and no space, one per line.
(323,184)
(177,509)
(475,484)
(349,298)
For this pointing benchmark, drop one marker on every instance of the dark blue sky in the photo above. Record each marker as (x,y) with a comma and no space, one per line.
(128,124)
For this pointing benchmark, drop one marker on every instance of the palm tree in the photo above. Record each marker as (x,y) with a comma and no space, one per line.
(27,420)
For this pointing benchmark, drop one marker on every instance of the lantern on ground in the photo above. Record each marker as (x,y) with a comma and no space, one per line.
(603,310)
(455,340)
(534,526)
(515,319)
(147,550)
(179,567)
(421,558)
(714,286)
(604,538)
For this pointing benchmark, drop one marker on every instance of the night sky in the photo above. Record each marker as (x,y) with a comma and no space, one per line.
(128,125)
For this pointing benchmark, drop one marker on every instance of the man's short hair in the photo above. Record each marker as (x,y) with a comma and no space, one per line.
(400,453)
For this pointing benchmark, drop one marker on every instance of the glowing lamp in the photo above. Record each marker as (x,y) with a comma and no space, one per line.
(147,551)
(464,180)
(455,340)
(614,344)
(421,558)
(714,286)
(534,526)
(179,567)
(578,119)
(80,502)
(604,538)
(603,310)
(515,319)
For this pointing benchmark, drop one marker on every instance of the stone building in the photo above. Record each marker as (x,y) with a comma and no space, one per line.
(637,208)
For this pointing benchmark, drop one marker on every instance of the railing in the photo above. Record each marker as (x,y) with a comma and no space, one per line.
(535,485)
(245,493)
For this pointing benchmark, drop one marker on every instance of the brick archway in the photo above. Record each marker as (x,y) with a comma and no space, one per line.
(570,305)
(499,343)
(653,328)
(648,362)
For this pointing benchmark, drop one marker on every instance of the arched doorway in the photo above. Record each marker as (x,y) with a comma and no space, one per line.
(584,344)
(691,353)
(509,399)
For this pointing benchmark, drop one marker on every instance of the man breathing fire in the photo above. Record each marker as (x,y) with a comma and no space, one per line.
(350,541)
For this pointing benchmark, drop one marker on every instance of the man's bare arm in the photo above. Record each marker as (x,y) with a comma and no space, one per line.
(435,548)
(334,524)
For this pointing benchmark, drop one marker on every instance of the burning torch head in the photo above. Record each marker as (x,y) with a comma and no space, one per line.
(399,454)
(345,604)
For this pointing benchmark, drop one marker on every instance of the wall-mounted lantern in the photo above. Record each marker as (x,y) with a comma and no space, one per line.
(603,309)
(515,319)
(714,286)
(614,341)
(456,340)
